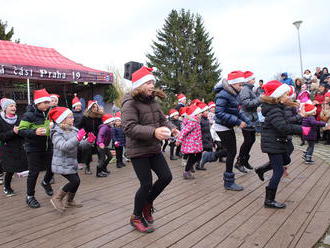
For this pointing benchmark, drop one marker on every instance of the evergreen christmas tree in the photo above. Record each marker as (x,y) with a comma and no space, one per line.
(184,59)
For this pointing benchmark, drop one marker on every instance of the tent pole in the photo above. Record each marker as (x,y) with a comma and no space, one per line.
(28,91)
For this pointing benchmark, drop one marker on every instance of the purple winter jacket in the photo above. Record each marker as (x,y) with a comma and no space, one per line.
(310,121)
(104,135)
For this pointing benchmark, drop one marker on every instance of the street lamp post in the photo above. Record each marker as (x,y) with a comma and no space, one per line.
(297,24)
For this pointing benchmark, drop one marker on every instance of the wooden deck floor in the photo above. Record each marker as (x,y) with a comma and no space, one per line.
(196,213)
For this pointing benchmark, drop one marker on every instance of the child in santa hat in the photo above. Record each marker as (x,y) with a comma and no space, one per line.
(103,141)
(190,139)
(119,140)
(311,137)
(275,135)
(54,100)
(35,128)
(227,116)
(77,110)
(174,119)
(145,126)
(66,139)
(182,100)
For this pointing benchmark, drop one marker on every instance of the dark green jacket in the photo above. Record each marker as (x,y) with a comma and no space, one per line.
(33,119)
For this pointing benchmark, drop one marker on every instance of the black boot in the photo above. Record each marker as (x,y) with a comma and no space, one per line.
(48,188)
(262,169)
(309,160)
(239,166)
(245,162)
(118,165)
(100,173)
(270,199)
(105,169)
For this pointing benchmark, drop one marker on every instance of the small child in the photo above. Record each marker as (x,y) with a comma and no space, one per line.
(311,137)
(66,139)
(119,140)
(174,119)
(103,141)
(191,139)
(325,116)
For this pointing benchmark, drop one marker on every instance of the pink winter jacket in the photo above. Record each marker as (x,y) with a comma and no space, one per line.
(190,136)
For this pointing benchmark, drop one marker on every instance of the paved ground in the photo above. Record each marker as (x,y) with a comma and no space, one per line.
(193,213)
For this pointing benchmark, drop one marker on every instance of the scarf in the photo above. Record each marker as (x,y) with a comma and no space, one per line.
(9,120)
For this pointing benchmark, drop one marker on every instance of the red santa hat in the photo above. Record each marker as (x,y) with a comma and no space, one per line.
(90,104)
(55,96)
(173,112)
(141,76)
(75,101)
(58,114)
(248,75)
(309,109)
(327,94)
(275,89)
(211,104)
(107,118)
(236,77)
(183,111)
(181,97)
(195,102)
(203,106)
(117,116)
(40,96)
(193,110)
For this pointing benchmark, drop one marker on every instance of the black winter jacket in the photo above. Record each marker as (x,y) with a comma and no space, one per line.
(276,129)
(206,134)
(91,123)
(78,115)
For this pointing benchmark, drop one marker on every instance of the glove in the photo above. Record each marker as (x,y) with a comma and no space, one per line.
(117,143)
(306,130)
(80,135)
(91,138)
(101,145)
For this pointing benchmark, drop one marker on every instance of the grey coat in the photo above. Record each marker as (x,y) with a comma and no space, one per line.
(65,150)
(249,103)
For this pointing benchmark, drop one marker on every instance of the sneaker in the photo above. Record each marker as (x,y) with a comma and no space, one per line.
(9,191)
(48,188)
(32,202)
(140,224)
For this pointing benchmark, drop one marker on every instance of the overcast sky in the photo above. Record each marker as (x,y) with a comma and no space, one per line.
(254,35)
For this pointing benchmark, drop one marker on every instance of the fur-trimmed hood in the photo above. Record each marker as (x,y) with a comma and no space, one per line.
(94,114)
(223,85)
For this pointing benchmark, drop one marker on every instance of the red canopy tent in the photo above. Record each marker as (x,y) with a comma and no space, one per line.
(19,61)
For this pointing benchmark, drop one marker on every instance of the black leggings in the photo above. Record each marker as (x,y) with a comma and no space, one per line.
(8,177)
(192,159)
(277,162)
(73,184)
(38,161)
(119,154)
(249,139)
(104,157)
(148,192)
(228,140)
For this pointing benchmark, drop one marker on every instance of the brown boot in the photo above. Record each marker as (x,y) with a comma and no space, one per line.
(70,202)
(57,199)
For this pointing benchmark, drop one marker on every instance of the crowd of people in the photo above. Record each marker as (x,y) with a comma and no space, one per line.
(61,141)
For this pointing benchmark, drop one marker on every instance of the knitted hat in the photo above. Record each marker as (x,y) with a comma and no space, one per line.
(235,77)
(211,104)
(195,102)
(181,97)
(107,118)
(41,96)
(5,102)
(309,108)
(193,110)
(203,106)
(55,96)
(58,114)
(275,89)
(117,116)
(142,76)
(248,75)
(183,111)
(75,101)
(90,104)
(173,112)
